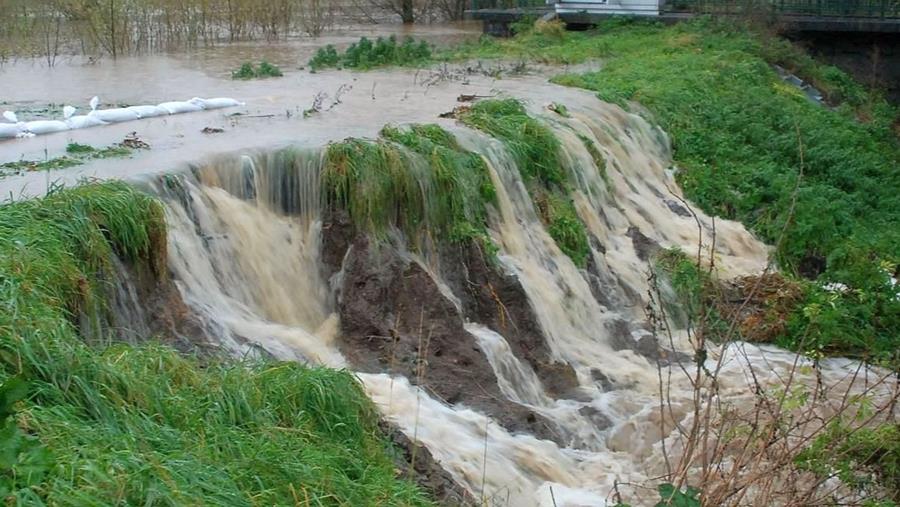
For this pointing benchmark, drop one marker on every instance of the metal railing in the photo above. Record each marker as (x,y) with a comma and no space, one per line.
(869,9)
(507,4)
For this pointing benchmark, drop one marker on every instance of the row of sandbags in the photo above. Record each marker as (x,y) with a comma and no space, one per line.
(97,117)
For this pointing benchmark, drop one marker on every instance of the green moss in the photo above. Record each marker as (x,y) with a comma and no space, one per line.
(536,151)
(417,179)
(145,425)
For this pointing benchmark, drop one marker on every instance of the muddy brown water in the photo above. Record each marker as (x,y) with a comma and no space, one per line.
(273,113)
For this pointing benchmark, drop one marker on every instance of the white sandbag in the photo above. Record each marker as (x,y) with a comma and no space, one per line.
(180,107)
(39,127)
(10,130)
(197,101)
(117,115)
(148,111)
(220,102)
(84,121)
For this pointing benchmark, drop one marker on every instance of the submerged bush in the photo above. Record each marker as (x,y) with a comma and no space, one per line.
(248,71)
(146,425)
(365,54)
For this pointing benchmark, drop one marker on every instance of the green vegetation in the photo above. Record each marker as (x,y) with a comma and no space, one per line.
(365,54)
(744,140)
(599,160)
(866,459)
(537,153)
(248,71)
(145,425)
(76,154)
(417,179)
(672,497)
(24,461)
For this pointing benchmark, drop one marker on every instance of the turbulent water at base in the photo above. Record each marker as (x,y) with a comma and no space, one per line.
(244,248)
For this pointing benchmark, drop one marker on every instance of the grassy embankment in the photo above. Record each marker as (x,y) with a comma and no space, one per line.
(125,425)
(744,140)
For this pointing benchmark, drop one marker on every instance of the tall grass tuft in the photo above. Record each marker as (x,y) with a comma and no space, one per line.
(417,179)
(146,425)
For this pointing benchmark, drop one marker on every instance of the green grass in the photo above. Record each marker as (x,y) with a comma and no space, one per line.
(76,154)
(248,71)
(537,154)
(145,425)
(417,179)
(366,54)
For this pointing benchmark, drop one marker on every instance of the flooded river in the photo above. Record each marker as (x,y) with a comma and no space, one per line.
(274,107)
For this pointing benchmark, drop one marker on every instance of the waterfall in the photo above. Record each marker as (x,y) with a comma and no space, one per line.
(244,249)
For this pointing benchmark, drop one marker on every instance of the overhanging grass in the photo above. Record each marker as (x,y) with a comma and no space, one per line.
(147,426)
(537,153)
(417,179)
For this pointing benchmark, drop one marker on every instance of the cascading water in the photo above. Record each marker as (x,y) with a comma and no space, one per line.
(245,233)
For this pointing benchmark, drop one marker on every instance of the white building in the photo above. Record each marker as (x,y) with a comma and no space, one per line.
(574,8)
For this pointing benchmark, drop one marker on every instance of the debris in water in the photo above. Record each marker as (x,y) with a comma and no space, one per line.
(134,142)
(212,130)
(466,97)
(456,112)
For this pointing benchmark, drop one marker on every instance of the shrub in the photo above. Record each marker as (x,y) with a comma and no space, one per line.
(248,71)
(365,54)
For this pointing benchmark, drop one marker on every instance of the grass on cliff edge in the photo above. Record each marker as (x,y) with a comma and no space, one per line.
(742,137)
(145,425)
(537,154)
(416,178)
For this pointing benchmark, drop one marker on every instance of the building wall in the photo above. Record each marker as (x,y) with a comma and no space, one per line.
(633,7)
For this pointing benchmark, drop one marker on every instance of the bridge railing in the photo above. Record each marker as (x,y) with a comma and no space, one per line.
(878,9)
(507,4)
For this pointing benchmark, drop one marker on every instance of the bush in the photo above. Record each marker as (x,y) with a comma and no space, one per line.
(365,54)
(248,71)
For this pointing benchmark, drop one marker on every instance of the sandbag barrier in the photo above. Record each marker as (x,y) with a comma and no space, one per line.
(13,128)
